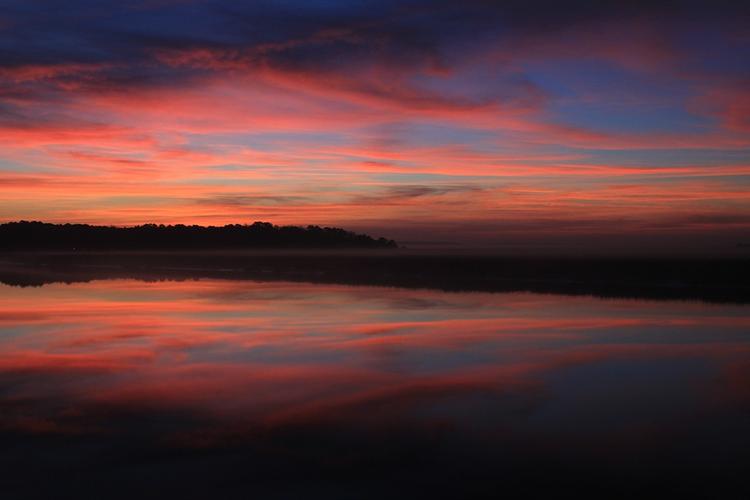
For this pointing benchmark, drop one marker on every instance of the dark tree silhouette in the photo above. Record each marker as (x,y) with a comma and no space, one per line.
(25,235)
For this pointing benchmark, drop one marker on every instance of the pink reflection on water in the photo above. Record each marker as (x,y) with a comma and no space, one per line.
(239,356)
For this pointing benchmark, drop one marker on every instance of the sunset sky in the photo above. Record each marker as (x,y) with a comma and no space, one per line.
(473,121)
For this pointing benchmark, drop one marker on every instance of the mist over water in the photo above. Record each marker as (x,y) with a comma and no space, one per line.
(238,388)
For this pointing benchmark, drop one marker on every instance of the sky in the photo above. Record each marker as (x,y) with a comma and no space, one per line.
(525,124)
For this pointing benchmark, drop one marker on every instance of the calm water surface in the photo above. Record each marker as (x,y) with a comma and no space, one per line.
(289,390)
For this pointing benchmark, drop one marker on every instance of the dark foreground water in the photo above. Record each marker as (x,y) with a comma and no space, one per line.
(245,389)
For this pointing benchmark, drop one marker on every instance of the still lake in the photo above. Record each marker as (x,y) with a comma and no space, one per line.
(300,390)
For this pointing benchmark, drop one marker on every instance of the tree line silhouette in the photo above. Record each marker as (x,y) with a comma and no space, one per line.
(26,235)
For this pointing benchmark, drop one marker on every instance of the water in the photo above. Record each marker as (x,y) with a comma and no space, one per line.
(290,390)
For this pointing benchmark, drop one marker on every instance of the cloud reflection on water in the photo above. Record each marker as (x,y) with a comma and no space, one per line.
(308,373)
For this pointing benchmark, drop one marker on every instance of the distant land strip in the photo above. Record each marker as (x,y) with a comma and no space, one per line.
(24,235)
(709,280)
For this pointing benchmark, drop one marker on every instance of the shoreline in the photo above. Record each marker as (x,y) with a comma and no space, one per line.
(654,278)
